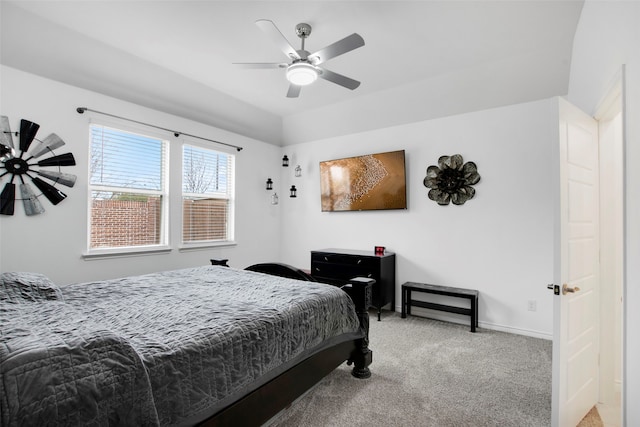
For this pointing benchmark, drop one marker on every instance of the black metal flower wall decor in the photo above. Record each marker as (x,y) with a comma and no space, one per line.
(451,180)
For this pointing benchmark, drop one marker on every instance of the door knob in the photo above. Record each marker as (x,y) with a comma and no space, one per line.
(566,289)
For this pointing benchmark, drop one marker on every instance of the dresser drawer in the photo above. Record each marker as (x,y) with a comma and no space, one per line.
(347,260)
(341,271)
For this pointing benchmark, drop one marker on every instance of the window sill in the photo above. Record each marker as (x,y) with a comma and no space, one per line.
(205,245)
(125,252)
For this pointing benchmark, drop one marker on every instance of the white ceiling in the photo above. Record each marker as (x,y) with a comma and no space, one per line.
(421,59)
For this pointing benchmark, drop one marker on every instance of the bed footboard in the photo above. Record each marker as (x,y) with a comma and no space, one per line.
(266,401)
(281,270)
(359,289)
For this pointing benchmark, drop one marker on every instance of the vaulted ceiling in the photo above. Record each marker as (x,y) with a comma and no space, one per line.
(421,59)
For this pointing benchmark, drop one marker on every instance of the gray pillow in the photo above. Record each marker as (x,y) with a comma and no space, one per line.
(26,286)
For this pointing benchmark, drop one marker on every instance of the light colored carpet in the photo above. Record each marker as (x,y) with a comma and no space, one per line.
(431,373)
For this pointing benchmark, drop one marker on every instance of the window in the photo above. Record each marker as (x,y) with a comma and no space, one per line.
(128,189)
(207,195)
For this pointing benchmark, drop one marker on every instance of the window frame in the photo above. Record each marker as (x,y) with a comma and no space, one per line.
(172,209)
(164,244)
(230,240)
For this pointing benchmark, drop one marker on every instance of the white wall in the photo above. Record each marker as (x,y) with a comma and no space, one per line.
(53,243)
(607,37)
(500,242)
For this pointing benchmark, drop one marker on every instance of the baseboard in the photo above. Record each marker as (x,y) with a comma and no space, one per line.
(517,331)
(464,320)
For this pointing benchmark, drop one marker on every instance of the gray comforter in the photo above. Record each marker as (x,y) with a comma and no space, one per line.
(168,348)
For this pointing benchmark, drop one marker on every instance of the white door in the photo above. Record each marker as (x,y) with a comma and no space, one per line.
(576,314)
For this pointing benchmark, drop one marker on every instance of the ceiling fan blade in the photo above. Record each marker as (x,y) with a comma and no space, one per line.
(8,199)
(28,131)
(261,64)
(294,91)
(32,205)
(270,29)
(5,132)
(345,45)
(63,178)
(54,195)
(66,159)
(339,79)
(51,142)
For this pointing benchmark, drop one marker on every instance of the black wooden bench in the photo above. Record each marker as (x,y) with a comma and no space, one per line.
(470,294)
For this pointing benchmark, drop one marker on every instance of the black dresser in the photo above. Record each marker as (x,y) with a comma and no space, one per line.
(337,266)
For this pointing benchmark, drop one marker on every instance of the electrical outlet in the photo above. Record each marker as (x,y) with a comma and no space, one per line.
(532,305)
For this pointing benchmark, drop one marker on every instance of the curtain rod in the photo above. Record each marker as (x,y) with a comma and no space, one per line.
(81,110)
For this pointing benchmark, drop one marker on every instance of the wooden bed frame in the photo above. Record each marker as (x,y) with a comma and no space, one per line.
(262,404)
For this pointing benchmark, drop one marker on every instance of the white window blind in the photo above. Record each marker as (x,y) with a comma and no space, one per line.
(207,195)
(128,189)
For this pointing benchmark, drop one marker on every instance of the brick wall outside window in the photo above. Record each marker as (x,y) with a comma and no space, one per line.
(204,220)
(141,219)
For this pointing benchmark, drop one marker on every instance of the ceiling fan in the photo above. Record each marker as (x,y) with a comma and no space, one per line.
(304,66)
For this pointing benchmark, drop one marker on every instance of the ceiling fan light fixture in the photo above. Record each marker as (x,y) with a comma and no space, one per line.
(301,74)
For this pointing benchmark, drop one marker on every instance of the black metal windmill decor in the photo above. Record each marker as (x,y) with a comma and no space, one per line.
(28,161)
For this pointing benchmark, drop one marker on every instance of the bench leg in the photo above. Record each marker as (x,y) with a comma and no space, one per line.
(476,299)
(474,313)
(403,303)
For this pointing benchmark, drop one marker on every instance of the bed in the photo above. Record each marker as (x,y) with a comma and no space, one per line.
(208,345)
